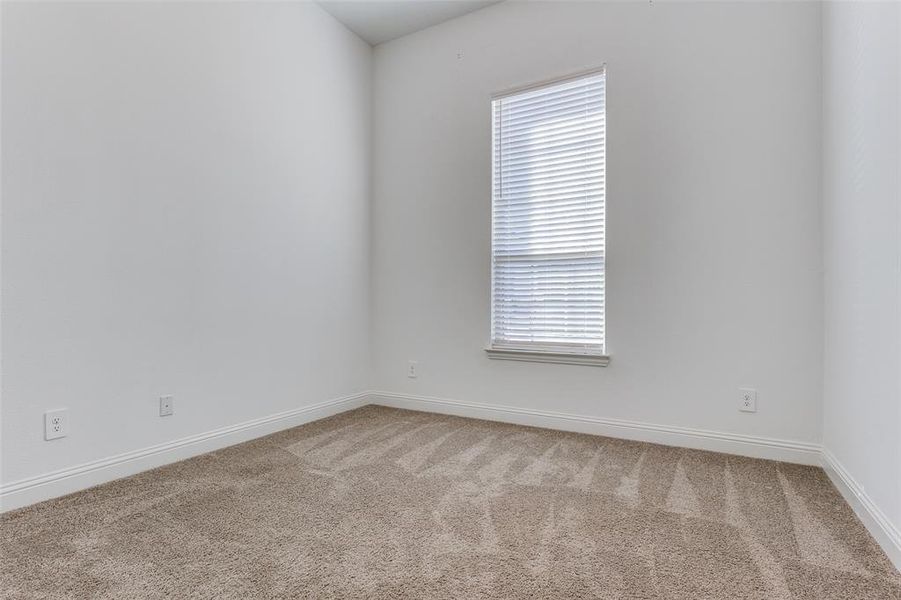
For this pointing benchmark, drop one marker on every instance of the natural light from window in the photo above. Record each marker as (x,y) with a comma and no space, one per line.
(548,218)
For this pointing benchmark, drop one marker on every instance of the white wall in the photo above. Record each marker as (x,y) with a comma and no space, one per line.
(185,211)
(714,219)
(862,226)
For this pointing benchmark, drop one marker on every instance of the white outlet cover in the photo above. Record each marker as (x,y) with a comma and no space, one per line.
(747,400)
(412,369)
(56,424)
(167,406)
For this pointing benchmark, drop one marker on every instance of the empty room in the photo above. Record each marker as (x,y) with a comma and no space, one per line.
(450,299)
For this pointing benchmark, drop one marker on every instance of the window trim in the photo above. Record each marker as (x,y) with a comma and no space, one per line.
(578,354)
(547,356)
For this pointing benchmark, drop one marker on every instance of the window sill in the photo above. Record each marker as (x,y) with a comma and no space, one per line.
(548,356)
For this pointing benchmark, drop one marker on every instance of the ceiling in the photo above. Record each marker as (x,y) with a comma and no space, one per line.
(378,21)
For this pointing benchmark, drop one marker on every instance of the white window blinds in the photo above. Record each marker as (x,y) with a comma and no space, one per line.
(548,218)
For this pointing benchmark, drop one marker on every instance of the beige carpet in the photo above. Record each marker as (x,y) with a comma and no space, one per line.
(382,503)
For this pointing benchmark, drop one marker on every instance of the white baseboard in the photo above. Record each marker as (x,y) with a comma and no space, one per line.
(730,443)
(876,521)
(51,485)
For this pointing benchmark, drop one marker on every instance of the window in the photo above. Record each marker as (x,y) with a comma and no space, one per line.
(548,222)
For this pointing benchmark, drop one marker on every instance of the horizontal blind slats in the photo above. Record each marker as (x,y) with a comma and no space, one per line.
(525,134)
(566,125)
(554,203)
(548,215)
(548,184)
(538,99)
(590,146)
(516,118)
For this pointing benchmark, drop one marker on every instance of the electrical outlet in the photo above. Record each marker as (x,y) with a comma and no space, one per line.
(167,406)
(56,424)
(747,400)
(412,369)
